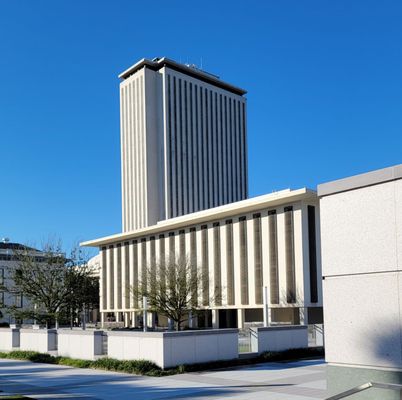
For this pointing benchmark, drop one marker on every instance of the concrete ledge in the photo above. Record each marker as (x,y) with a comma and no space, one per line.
(279,328)
(279,338)
(359,181)
(79,332)
(172,333)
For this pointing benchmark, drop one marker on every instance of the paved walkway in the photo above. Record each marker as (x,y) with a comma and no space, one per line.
(292,381)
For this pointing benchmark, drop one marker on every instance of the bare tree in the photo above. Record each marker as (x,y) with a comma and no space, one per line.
(171,288)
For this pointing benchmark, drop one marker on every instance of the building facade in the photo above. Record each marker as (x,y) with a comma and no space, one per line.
(183,142)
(270,242)
(10,295)
(361,222)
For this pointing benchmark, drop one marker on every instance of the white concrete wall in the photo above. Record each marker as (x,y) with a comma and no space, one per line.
(9,339)
(40,340)
(279,338)
(361,258)
(168,349)
(136,346)
(191,347)
(85,345)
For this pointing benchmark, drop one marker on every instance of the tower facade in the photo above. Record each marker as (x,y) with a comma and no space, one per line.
(183,142)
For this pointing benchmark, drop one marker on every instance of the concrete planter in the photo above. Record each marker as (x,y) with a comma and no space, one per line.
(169,349)
(9,339)
(279,338)
(41,340)
(85,345)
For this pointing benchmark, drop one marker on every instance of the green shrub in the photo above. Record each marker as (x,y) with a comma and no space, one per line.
(30,356)
(72,362)
(144,367)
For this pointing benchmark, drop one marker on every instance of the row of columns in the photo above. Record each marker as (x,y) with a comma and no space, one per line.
(130,318)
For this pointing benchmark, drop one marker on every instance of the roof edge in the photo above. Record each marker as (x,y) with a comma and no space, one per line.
(194,72)
(360,181)
(221,212)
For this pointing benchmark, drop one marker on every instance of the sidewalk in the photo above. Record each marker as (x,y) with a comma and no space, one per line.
(294,380)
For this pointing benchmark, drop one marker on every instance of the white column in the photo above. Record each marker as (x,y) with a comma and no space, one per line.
(267,321)
(303,315)
(116,266)
(215,319)
(109,282)
(240,318)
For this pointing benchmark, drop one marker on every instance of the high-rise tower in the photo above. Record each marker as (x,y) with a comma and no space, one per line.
(183,142)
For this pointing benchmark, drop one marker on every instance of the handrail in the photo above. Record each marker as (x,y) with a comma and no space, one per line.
(365,386)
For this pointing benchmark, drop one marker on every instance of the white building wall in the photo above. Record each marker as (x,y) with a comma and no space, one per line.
(301,262)
(183,146)
(361,265)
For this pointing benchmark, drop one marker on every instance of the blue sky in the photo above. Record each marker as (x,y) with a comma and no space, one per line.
(324,82)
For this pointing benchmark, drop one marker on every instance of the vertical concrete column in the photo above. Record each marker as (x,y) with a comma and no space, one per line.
(240,318)
(126,319)
(303,315)
(266,311)
(215,319)
(102,315)
(151,319)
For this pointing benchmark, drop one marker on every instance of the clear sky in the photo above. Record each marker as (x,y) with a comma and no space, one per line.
(324,82)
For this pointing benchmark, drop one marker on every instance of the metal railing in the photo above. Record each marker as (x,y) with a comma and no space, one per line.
(365,386)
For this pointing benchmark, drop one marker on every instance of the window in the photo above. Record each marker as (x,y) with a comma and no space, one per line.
(182,244)
(230,261)
(119,277)
(243,261)
(273,257)
(258,259)
(111,278)
(217,264)
(312,253)
(290,256)
(172,249)
(193,259)
(127,274)
(205,266)
(2,276)
(135,271)
(17,300)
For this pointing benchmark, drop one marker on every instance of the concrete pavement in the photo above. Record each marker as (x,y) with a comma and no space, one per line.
(300,380)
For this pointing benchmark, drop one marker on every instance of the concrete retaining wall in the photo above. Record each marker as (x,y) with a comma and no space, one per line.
(85,345)
(279,338)
(168,349)
(41,340)
(9,339)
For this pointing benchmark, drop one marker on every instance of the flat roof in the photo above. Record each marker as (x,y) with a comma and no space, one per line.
(212,214)
(192,71)
(359,181)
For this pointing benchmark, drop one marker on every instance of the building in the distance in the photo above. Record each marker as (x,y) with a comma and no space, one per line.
(183,142)
(10,295)
(184,184)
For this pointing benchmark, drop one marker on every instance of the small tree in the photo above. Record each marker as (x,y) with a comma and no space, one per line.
(171,288)
(51,281)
